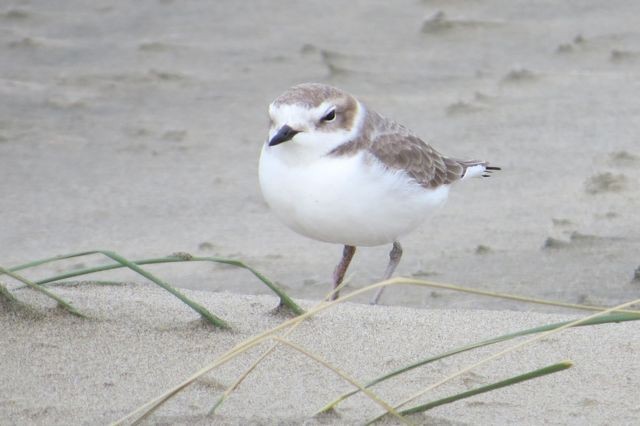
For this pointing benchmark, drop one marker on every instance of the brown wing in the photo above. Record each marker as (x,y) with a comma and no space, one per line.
(420,161)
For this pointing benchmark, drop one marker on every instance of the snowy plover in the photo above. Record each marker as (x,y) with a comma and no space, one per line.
(335,171)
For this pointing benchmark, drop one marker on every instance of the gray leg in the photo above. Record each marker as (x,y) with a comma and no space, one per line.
(341,269)
(394,259)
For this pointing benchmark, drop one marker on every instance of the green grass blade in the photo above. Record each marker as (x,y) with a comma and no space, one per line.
(208,316)
(610,318)
(61,302)
(211,318)
(483,389)
(285,300)
(39,262)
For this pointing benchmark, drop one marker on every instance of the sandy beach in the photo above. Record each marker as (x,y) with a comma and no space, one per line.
(140,342)
(137,128)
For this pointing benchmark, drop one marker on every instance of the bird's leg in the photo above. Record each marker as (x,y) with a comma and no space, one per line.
(341,269)
(394,258)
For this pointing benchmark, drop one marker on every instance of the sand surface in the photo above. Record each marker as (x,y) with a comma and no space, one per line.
(141,342)
(136,127)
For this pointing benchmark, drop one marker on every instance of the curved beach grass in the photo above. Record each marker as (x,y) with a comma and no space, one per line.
(602,316)
(272,336)
(122,262)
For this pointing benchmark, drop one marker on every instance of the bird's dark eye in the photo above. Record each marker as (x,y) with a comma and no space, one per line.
(331,115)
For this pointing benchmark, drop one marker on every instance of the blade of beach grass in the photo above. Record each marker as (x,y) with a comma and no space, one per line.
(145,410)
(85,283)
(285,300)
(151,407)
(34,263)
(204,313)
(605,319)
(511,349)
(211,318)
(554,368)
(248,371)
(245,374)
(444,286)
(237,383)
(344,376)
(61,302)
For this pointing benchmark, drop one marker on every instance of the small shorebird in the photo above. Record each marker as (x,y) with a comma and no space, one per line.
(335,171)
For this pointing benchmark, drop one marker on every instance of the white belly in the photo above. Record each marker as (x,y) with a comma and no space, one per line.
(350,200)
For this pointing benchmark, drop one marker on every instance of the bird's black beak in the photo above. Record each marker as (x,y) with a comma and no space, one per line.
(284,134)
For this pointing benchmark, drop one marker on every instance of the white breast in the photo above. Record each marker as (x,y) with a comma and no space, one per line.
(350,200)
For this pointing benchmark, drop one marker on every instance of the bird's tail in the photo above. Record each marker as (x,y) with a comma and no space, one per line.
(475,168)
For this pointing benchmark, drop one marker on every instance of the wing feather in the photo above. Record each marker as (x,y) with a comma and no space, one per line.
(419,160)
